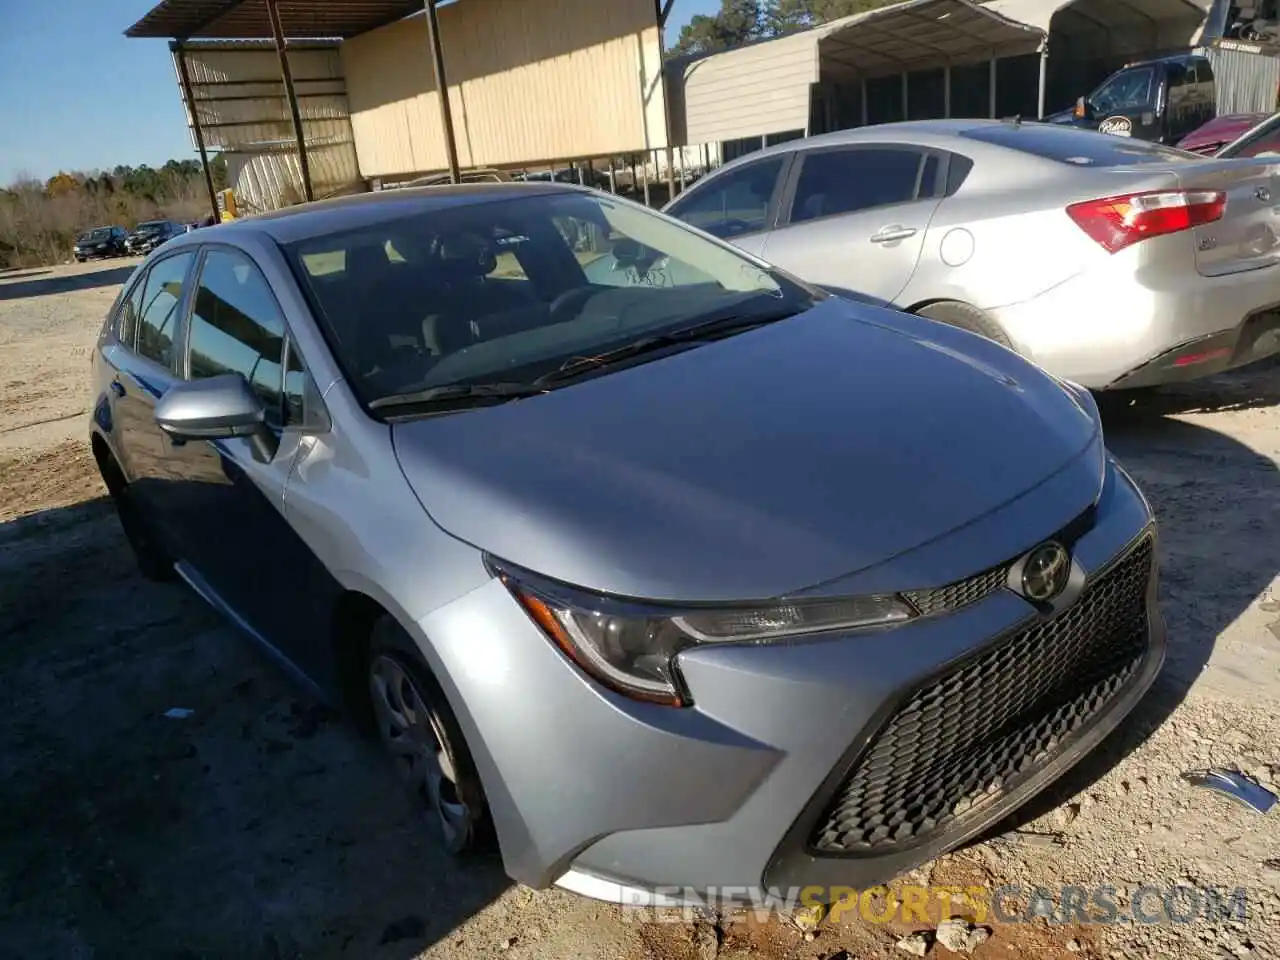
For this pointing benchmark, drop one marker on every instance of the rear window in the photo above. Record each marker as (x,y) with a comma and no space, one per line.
(1081,148)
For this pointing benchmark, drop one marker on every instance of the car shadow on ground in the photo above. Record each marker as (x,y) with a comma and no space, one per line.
(67,283)
(167,792)
(1215,501)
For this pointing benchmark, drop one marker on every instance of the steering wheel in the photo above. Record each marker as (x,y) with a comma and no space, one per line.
(573,299)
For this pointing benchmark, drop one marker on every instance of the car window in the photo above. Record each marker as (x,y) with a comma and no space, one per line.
(1267,144)
(1127,90)
(735,202)
(158,312)
(510,290)
(126,321)
(845,181)
(236,327)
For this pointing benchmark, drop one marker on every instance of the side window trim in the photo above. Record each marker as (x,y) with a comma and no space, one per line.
(797,168)
(139,284)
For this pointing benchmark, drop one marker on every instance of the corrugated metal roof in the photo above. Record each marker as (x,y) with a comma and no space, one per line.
(1111,13)
(227,19)
(926,33)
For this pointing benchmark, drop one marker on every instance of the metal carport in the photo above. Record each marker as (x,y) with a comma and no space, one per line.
(1090,39)
(818,79)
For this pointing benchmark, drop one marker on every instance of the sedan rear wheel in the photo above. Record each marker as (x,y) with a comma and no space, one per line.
(419,733)
(966,317)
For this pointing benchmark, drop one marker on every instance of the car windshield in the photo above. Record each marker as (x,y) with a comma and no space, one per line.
(101,233)
(151,226)
(508,291)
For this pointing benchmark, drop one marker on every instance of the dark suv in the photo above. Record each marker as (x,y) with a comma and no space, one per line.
(151,234)
(100,242)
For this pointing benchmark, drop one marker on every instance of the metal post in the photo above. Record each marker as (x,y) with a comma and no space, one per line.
(991,91)
(905,113)
(644,178)
(582,175)
(185,77)
(1044,63)
(865,112)
(442,89)
(277,32)
(613,176)
(683,180)
(946,92)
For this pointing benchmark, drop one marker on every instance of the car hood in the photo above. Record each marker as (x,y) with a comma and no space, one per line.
(755,466)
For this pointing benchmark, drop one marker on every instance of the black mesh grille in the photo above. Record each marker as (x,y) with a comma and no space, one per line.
(957,595)
(992,720)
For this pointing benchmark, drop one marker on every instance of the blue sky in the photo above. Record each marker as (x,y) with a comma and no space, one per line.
(76,95)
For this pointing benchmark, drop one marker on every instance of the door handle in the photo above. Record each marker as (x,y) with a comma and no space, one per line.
(892,233)
(117,388)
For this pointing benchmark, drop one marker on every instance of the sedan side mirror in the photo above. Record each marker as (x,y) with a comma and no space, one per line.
(217,408)
(1082,108)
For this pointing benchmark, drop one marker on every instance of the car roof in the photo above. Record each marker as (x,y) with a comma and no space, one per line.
(321,217)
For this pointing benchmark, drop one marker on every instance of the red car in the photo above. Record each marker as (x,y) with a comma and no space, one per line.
(1220,131)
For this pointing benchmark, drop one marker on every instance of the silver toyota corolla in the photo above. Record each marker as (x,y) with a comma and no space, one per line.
(1111,262)
(642,557)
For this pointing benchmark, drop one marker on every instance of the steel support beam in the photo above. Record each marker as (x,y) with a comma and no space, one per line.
(185,76)
(442,88)
(277,34)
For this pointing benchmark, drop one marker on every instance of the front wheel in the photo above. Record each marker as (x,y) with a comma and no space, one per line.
(966,317)
(153,562)
(420,734)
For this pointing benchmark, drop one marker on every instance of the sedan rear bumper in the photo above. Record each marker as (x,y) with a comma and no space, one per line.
(624,801)
(1138,320)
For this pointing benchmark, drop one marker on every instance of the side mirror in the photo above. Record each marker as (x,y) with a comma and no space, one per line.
(1082,108)
(627,251)
(217,408)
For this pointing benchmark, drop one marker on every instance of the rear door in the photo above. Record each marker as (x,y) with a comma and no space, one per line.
(143,372)
(737,205)
(854,217)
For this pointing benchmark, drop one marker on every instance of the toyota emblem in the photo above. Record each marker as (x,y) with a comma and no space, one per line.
(1046,572)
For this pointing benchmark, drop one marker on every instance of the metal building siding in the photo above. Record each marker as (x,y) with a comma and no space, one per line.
(527,82)
(1244,82)
(239,100)
(751,91)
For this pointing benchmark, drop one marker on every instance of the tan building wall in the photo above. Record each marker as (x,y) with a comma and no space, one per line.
(557,79)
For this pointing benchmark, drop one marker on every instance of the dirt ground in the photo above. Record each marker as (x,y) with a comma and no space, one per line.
(258,826)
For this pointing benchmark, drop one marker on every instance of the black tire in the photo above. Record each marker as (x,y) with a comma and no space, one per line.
(962,315)
(153,560)
(454,804)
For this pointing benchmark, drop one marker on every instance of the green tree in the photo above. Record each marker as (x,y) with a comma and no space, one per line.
(735,23)
(786,16)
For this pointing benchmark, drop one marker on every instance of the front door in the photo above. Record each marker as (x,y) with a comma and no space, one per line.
(1128,104)
(856,219)
(230,505)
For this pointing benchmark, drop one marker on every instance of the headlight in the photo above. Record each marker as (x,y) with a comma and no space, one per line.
(631,647)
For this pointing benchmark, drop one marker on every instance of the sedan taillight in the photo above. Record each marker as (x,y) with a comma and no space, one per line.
(1119,222)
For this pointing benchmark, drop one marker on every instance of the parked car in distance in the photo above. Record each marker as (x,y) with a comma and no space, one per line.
(1260,140)
(1111,262)
(616,571)
(1160,100)
(1219,131)
(150,234)
(100,242)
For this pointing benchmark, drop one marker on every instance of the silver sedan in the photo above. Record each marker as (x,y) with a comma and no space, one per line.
(1111,262)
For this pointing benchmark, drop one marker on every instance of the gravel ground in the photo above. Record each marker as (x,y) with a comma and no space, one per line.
(258,826)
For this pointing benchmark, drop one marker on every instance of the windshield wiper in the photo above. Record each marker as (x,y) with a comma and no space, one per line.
(457,392)
(706,330)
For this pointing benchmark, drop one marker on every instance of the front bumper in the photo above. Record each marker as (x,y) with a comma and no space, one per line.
(616,799)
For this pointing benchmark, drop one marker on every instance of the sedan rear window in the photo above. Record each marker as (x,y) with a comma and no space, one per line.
(1081,148)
